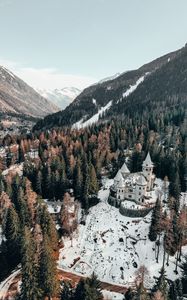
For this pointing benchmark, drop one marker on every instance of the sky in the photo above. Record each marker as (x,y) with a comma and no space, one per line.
(58,43)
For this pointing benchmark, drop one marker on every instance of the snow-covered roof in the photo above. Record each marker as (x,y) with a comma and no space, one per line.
(121,183)
(148,162)
(118,176)
(141,180)
(124,169)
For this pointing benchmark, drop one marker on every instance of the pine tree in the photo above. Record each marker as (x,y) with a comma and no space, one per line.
(155,221)
(175,191)
(162,284)
(93,186)
(48,226)
(78,179)
(88,289)
(29,287)
(12,234)
(67,291)
(23,209)
(48,270)
(15,189)
(38,187)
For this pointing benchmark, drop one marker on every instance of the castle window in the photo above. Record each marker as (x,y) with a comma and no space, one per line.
(140,188)
(139,193)
(118,197)
(130,196)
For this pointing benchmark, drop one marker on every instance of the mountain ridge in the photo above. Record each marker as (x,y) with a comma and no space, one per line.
(84,106)
(17,97)
(60,97)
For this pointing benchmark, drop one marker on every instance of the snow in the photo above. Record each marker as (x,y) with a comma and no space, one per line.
(110,78)
(114,246)
(133,87)
(7,71)
(112,296)
(78,124)
(94,101)
(61,97)
(53,207)
(93,119)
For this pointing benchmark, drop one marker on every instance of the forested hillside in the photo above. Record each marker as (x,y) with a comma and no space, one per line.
(159,84)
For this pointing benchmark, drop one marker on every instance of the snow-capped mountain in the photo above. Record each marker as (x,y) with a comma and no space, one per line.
(60,97)
(17,97)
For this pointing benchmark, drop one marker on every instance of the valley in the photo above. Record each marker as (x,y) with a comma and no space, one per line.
(93,201)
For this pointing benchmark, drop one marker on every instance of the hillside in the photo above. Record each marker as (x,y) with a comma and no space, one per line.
(114,246)
(156,82)
(16,97)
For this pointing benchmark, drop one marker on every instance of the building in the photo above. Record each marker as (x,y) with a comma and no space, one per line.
(131,191)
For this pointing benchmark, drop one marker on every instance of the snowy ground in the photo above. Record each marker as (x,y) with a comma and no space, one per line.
(113,246)
(112,296)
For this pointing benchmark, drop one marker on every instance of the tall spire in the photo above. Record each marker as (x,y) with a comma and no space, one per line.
(124,169)
(148,162)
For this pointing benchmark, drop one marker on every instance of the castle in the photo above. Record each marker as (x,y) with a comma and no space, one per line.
(131,192)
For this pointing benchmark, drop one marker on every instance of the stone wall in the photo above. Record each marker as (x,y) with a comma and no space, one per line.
(133,213)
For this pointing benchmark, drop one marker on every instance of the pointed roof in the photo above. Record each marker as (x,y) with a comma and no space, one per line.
(118,176)
(121,183)
(124,169)
(141,180)
(148,162)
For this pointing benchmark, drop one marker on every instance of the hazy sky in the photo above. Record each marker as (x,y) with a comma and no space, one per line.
(57,43)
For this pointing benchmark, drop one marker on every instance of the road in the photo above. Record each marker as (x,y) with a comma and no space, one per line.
(12,280)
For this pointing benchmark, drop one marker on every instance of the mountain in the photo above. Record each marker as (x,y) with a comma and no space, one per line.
(60,97)
(19,98)
(154,87)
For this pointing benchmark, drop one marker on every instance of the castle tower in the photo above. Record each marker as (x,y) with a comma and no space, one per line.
(117,178)
(140,190)
(120,190)
(147,169)
(124,170)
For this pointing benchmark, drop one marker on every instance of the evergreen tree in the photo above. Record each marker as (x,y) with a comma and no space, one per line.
(88,289)
(155,226)
(48,226)
(162,284)
(38,187)
(93,184)
(12,234)
(29,287)
(67,291)
(78,179)
(48,270)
